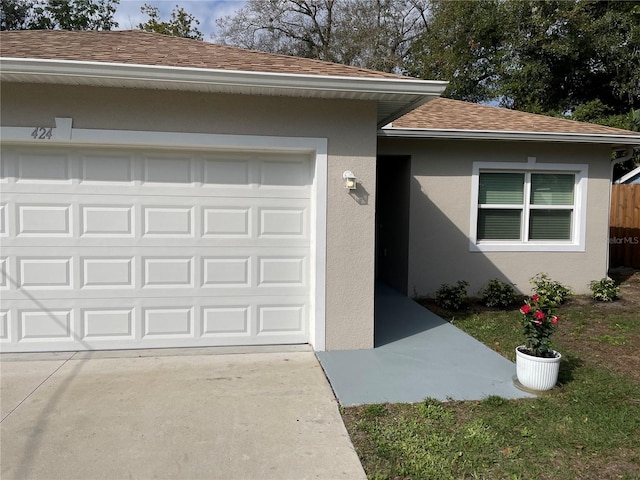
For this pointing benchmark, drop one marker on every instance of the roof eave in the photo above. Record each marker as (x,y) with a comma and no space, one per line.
(393,95)
(610,139)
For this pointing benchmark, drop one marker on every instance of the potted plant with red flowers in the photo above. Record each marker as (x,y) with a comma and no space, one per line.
(537,364)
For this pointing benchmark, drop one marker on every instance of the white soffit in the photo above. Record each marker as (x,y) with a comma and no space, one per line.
(394,96)
(511,135)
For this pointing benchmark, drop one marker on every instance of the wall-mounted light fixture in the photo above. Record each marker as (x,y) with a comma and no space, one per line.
(349,180)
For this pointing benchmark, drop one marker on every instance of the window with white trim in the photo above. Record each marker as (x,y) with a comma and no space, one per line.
(528,206)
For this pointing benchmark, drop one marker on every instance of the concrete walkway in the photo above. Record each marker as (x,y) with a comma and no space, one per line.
(185,414)
(417,355)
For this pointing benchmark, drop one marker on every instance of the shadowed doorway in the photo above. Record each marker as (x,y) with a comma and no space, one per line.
(392,220)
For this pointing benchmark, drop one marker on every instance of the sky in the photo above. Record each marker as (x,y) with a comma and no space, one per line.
(128,14)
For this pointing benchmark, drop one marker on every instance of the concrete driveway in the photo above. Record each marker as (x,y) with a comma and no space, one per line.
(183,414)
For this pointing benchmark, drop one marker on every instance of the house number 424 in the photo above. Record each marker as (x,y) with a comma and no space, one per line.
(42,133)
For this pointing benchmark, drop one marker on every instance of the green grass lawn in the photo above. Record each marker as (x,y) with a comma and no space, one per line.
(587,429)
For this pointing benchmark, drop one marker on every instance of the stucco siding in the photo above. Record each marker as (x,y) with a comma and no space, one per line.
(441,209)
(348,126)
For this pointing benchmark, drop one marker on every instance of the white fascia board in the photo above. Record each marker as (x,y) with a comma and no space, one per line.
(631,174)
(229,78)
(512,135)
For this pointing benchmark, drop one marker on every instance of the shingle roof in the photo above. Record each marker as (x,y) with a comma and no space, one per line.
(447,114)
(144,48)
(135,47)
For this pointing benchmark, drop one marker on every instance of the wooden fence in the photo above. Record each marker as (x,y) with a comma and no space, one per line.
(624,226)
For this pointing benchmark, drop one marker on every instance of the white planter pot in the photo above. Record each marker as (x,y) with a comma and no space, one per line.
(537,373)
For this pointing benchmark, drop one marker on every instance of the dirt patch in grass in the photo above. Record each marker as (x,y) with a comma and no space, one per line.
(605,334)
(623,463)
(601,336)
(629,281)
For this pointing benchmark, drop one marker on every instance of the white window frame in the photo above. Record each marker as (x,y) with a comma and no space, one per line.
(579,215)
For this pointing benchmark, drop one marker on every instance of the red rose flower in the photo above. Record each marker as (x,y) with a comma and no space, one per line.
(539,315)
(525,309)
(554,320)
(535,298)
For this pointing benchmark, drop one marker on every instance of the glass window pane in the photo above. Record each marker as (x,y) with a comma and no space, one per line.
(550,225)
(499,224)
(501,188)
(552,189)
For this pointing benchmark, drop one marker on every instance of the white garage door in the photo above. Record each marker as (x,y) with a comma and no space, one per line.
(106,249)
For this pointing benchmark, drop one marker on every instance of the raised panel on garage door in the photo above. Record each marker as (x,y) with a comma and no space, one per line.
(115,249)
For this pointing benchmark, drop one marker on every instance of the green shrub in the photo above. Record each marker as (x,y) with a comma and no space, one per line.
(554,292)
(604,290)
(452,297)
(498,294)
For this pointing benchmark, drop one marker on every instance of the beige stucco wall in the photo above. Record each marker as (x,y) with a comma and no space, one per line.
(349,127)
(441,208)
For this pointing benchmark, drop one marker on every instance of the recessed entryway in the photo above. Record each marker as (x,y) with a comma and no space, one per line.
(393,190)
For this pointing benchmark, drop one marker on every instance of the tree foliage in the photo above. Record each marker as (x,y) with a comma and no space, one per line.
(549,56)
(465,44)
(14,14)
(58,14)
(366,33)
(576,52)
(181,23)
